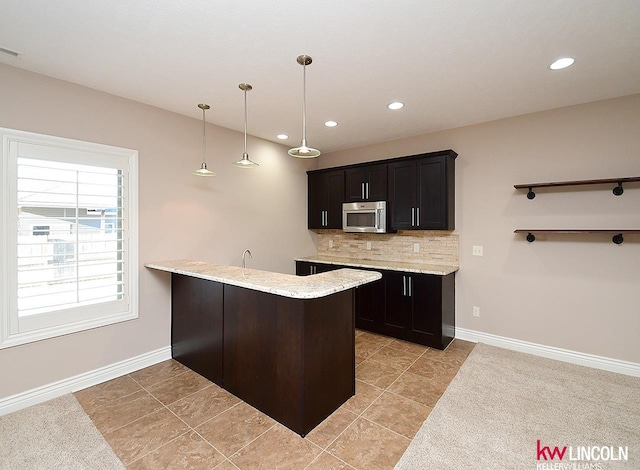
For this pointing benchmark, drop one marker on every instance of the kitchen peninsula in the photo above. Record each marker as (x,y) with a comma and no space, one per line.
(282,343)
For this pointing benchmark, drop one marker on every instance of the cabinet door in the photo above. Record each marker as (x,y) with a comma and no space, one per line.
(432,194)
(355,181)
(366,183)
(335,198)
(397,305)
(377,189)
(426,317)
(402,194)
(196,325)
(317,200)
(370,305)
(305,268)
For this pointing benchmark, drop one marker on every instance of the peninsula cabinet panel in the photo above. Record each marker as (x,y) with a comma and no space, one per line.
(292,359)
(196,325)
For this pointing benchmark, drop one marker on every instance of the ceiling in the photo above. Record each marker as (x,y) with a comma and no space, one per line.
(452,62)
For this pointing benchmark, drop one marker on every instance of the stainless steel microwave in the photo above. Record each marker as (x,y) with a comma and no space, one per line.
(369,217)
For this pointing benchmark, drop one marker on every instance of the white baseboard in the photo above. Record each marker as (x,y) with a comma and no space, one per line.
(550,352)
(87,379)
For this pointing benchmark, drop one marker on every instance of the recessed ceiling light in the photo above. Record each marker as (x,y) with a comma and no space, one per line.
(395,105)
(562,63)
(331,124)
(282,136)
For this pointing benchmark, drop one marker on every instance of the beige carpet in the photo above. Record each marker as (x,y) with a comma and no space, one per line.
(56,434)
(502,402)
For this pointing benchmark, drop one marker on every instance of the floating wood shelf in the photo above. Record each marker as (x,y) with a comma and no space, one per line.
(617,237)
(616,190)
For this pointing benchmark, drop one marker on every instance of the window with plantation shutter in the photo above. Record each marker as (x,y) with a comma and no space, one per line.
(69,212)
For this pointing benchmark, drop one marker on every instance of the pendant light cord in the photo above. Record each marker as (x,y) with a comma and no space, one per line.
(245,121)
(204,140)
(304,104)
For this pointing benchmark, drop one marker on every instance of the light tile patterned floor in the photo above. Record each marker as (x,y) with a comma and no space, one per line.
(167,416)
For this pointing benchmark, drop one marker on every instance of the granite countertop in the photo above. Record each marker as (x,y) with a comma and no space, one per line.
(286,285)
(437,269)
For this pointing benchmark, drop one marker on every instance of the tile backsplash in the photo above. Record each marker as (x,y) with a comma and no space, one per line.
(434,247)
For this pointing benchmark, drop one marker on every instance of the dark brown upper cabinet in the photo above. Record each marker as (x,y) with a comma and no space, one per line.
(419,190)
(366,183)
(422,192)
(325,198)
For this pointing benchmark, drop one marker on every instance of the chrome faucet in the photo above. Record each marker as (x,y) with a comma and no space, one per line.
(243,255)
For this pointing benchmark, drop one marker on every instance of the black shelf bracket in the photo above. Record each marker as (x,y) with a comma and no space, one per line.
(530,236)
(617,239)
(531,194)
(617,191)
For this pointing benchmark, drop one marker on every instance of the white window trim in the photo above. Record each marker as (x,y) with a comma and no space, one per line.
(9,332)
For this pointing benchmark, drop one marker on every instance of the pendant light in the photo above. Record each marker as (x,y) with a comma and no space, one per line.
(203,171)
(245,162)
(303,151)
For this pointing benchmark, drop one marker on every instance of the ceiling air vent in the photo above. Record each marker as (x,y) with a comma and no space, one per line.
(10,52)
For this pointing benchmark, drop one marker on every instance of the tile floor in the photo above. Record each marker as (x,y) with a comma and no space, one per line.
(167,416)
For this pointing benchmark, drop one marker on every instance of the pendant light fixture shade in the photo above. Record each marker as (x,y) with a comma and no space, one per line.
(245,162)
(203,171)
(304,151)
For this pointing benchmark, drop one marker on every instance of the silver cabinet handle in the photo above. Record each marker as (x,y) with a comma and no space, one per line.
(367,191)
(324,222)
(417,216)
(413,217)
(404,286)
(362,190)
(410,284)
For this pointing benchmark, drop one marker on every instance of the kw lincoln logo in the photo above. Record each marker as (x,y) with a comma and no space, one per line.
(578,457)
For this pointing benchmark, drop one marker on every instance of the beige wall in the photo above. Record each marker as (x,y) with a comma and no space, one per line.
(181,216)
(581,293)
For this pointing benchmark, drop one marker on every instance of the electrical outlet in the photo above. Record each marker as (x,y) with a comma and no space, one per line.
(330,243)
(476,311)
(477,250)
(368,245)
(416,247)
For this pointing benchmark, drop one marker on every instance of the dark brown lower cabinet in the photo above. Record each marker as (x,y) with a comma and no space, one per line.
(196,325)
(414,307)
(420,308)
(293,359)
(370,299)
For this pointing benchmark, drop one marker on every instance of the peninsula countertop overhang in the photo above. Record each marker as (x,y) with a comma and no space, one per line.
(286,285)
